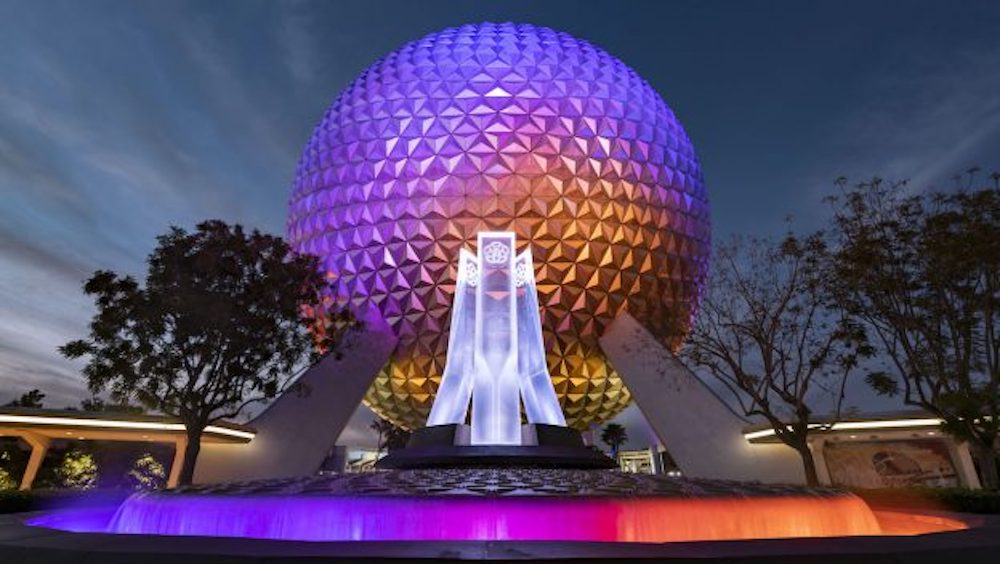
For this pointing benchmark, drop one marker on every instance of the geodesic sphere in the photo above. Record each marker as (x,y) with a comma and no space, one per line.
(506,128)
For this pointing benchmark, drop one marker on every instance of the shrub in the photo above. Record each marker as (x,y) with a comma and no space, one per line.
(7,482)
(77,471)
(147,473)
(15,501)
(952,499)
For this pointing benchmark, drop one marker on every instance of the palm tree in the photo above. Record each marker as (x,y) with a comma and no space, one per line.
(614,435)
(396,438)
(383,428)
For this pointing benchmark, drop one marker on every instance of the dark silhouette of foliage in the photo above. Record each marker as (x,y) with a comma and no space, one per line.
(921,271)
(768,330)
(221,323)
(31,398)
(382,427)
(97,404)
(396,438)
(390,437)
(614,435)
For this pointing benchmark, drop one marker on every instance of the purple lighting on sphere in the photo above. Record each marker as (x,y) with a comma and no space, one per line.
(504,127)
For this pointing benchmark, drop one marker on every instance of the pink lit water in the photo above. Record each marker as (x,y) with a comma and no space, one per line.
(484,518)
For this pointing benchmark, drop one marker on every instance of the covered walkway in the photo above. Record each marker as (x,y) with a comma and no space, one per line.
(40,427)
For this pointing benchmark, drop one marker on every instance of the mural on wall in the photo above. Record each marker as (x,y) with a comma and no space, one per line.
(890,464)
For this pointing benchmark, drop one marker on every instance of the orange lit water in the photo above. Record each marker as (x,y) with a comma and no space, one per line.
(591,519)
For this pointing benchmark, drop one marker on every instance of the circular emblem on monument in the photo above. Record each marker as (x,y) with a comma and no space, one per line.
(496,253)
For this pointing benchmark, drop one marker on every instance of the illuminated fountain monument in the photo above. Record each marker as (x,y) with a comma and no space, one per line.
(521,142)
(495,351)
(496,363)
(500,481)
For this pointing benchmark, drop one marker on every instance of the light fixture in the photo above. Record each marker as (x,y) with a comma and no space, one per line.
(855,426)
(119,424)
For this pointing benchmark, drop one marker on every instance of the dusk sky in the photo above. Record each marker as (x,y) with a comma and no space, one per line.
(118,119)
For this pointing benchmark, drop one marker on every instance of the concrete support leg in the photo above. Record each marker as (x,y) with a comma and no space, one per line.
(704,436)
(964,467)
(175,467)
(819,458)
(39,448)
(296,432)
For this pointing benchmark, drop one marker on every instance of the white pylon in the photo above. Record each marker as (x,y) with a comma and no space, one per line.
(496,357)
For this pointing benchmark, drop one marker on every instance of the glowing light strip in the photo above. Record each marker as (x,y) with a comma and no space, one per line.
(336,518)
(117,424)
(856,426)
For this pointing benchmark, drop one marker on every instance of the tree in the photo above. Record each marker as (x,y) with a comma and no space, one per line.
(77,471)
(396,438)
(922,273)
(390,437)
(614,435)
(382,427)
(10,461)
(7,482)
(768,331)
(97,404)
(13,458)
(221,323)
(147,473)
(32,398)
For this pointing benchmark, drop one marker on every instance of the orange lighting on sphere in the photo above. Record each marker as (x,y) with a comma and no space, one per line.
(505,128)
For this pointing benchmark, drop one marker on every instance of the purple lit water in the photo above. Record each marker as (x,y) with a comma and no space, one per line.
(457,518)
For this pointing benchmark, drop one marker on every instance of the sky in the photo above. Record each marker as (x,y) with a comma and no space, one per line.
(121,118)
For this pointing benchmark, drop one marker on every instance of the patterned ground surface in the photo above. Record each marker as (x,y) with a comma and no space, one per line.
(505,482)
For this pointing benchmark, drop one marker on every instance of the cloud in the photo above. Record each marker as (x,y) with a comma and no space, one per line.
(925,123)
(357,432)
(118,119)
(298,44)
(40,257)
(28,360)
(110,132)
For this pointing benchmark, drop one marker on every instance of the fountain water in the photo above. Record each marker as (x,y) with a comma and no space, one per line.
(459,487)
(513,504)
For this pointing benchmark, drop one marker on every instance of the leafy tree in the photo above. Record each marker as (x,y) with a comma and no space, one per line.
(97,404)
(77,471)
(221,323)
(147,473)
(396,438)
(382,427)
(32,398)
(13,458)
(8,454)
(922,273)
(769,332)
(614,435)
(390,437)
(7,482)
